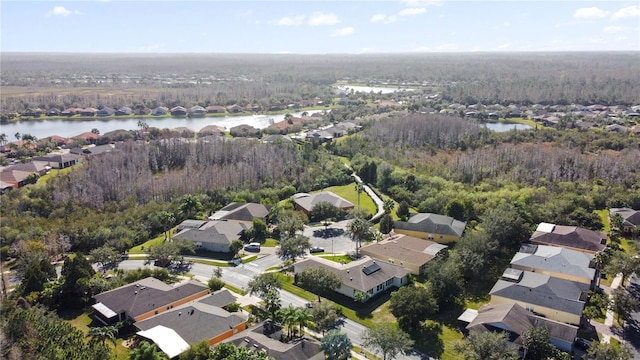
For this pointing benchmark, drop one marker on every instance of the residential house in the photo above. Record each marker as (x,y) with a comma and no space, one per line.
(554,298)
(439,228)
(184,132)
(305,202)
(365,275)
(107,111)
(320,136)
(203,319)
(37,167)
(143,299)
(407,251)
(570,237)
(92,151)
(253,107)
(557,262)
(211,130)
(244,130)
(142,111)
(32,112)
(235,108)
(88,112)
(15,178)
(266,336)
(53,112)
(197,111)
(616,128)
(215,109)
(241,212)
(59,161)
(124,111)
(178,111)
(515,321)
(275,138)
(58,140)
(89,137)
(214,235)
(160,111)
(630,219)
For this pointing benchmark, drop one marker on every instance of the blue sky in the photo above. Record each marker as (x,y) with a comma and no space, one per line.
(318,27)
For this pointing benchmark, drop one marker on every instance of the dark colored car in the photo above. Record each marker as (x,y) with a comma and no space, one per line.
(583,344)
(316,249)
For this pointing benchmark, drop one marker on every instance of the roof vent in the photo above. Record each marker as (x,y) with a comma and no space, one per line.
(136,292)
(180,313)
(351,278)
(512,275)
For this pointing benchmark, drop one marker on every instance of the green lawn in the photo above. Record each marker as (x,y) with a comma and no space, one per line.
(140,249)
(337,258)
(81,320)
(348,192)
(235,289)
(52,173)
(604,217)
(270,243)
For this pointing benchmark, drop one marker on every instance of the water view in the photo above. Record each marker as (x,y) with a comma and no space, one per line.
(502,127)
(375,89)
(68,128)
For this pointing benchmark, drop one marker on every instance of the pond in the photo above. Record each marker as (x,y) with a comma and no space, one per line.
(503,127)
(368,89)
(68,128)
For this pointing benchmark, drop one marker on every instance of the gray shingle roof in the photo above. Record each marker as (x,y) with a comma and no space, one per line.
(405,249)
(352,274)
(557,259)
(544,290)
(241,212)
(214,232)
(195,321)
(146,295)
(432,223)
(517,320)
(569,236)
(308,202)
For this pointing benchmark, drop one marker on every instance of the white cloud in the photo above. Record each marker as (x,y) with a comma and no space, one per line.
(421,49)
(448,47)
(290,21)
(385,19)
(284,52)
(318,19)
(369,50)
(612,29)
(626,13)
(61,11)
(412,11)
(343,32)
(590,13)
(503,46)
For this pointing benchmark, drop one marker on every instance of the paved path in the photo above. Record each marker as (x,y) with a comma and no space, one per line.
(376,199)
(607,329)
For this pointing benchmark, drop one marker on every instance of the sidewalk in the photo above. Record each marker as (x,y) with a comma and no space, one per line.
(607,329)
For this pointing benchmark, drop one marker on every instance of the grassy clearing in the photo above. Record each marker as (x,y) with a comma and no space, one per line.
(211,262)
(629,246)
(140,249)
(604,217)
(81,320)
(52,173)
(348,192)
(249,259)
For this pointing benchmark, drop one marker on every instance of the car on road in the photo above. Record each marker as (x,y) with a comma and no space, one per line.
(252,247)
(316,249)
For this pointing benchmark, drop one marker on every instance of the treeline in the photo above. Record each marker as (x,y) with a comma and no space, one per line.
(587,78)
(119,198)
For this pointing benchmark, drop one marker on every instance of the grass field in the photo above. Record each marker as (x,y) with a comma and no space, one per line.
(81,320)
(337,258)
(140,249)
(348,192)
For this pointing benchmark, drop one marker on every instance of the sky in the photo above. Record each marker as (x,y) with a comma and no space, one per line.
(318,27)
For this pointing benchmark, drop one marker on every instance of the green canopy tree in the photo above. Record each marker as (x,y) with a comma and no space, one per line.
(189,206)
(336,345)
(290,222)
(412,304)
(486,345)
(325,315)
(147,351)
(608,351)
(102,334)
(319,281)
(263,283)
(360,231)
(386,339)
(293,247)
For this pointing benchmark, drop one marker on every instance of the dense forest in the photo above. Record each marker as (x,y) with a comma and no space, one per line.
(64,80)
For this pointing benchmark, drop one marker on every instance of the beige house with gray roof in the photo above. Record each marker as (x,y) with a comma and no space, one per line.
(366,274)
(407,251)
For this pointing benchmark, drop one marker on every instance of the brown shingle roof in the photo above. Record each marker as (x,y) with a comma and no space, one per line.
(404,249)
(569,236)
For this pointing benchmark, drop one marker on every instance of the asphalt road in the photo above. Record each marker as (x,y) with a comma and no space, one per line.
(632,326)
(333,237)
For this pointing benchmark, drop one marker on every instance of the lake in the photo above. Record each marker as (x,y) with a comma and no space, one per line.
(503,127)
(68,128)
(375,89)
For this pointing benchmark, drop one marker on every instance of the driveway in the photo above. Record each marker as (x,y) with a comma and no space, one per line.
(632,326)
(333,237)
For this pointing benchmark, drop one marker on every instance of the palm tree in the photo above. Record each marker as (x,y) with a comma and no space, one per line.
(360,230)
(303,318)
(388,206)
(190,206)
(3,139)
(359,190)
(102,334)
(288,318)
(167,221)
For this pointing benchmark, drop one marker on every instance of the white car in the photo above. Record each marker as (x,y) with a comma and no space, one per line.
(252,247)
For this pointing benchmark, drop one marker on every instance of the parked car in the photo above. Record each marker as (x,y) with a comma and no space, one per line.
(252,247)
(316,249)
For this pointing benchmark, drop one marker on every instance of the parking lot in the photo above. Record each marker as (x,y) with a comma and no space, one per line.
(332,237)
